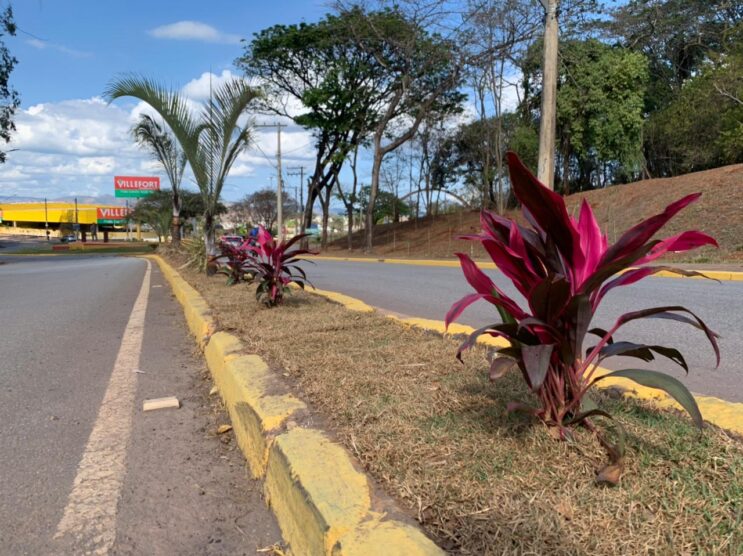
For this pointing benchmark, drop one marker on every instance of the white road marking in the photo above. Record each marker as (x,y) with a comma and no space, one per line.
(89,518)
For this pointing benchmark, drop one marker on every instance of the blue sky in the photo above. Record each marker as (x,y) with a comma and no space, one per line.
(69,141)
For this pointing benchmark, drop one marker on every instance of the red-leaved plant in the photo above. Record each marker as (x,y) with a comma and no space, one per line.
(564,267)
(232,260)
(275,266)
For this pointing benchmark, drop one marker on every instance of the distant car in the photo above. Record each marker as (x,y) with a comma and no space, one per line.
(235,241)
(68,238)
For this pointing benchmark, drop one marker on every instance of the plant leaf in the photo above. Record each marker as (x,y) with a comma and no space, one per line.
(500,366)
(546,207)
(642,351)
(536,362)
(669,312)
(661,381)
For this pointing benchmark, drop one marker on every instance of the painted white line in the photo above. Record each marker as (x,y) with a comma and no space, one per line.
(89,519)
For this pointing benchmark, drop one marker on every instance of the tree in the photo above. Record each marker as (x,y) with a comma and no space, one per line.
(500,30)
(350,198)
(703,127)
(261,207)
(677,36)
(9,99)
(472,156)
(336,82)
(211,140)
(156,209)
(421,76)
(161,144)
(386,207)
(600,112)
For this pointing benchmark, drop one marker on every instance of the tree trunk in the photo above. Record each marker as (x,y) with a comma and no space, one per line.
(175,227)
(374,189)
(209,243)
(349,213)
(325,203)
(566,166)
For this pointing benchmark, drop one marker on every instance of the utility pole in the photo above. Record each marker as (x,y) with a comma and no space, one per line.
(279,182)
(77,221)
(298,171)
(46,219)
(546,167)
(128,222)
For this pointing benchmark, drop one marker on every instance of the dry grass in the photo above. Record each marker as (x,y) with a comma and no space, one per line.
(717,213)
(435,435)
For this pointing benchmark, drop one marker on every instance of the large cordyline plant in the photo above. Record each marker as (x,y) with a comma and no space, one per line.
(564,267)
(273,264)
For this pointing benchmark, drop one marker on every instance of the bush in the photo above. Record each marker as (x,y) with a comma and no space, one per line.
(564,267)
(275,266)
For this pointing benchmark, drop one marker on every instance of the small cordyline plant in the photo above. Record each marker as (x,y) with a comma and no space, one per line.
(564,267)
(234,267)
(275,266)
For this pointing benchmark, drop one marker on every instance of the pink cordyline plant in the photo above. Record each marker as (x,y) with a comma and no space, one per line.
(564,267)
(275,265)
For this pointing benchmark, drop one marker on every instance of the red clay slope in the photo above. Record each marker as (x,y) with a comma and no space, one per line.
(719,212)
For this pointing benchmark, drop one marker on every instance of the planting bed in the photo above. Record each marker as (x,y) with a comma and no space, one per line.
(435,435)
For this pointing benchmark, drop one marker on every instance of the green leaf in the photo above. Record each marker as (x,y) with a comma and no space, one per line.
(661,381)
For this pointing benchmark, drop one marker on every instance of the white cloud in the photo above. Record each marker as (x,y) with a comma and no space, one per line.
(75,147)
(193,31)
(41,45)
(198,89)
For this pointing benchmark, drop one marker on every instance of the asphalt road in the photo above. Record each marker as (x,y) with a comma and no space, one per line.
(182,489)
(428,292)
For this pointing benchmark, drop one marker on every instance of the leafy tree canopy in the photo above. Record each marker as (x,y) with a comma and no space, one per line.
(9,99)
(387,206)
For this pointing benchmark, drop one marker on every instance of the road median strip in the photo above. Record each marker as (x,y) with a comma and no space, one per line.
(722,413)
(322,503)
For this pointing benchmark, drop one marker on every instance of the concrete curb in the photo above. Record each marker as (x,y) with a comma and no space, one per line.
(722,275)
(322,503)
(724,414)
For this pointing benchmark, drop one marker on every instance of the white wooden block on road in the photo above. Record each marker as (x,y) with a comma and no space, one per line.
(161,403)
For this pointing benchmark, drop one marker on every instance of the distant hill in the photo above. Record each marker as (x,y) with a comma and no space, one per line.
(719,213)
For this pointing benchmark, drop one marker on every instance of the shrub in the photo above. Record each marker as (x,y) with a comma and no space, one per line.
(275,266)
(233,261)
(564,267)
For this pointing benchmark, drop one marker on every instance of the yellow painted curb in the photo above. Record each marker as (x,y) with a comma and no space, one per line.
(198,314)
(724,414)
(244,382)
(321,501)
(722,275)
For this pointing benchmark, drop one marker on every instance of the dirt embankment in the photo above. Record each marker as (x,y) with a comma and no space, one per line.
(719,213)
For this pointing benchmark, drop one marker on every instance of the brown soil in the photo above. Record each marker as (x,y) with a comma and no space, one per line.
(435,435)
(719,213)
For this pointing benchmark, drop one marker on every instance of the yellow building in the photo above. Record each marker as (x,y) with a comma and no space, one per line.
(32,218)
(35,215)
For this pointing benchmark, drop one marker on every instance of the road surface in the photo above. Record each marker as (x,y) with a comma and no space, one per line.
(75,477)
(428,292)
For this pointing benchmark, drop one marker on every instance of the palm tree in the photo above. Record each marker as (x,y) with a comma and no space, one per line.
(211,140)
(149,134)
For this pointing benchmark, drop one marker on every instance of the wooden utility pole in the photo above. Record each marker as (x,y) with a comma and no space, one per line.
(546,167)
